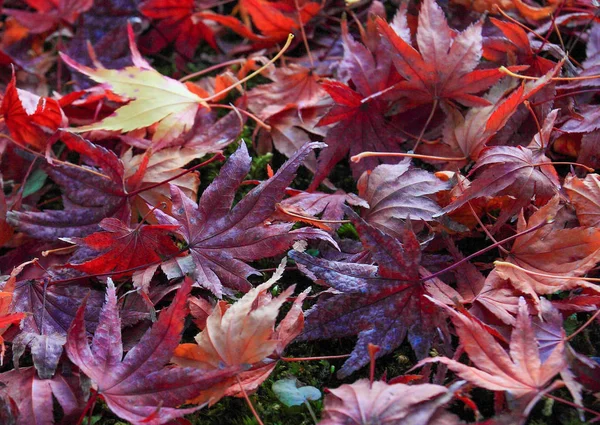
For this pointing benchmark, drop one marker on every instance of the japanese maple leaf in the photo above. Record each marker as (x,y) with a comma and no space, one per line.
(361,126)
(585,197)
(90,193)
(517,47)
(382,304)
(30,119)
(120,248)
(50,309)
(398,192)
(276,19)
(513,171)
(364,403)
(139,388)
(221,239)
(49,13)
(293,87)
(468,135)
(329,205)
(175,25)
(35,398)
(157,98)
(360,121)
(444,67)
(553,252)
(520,372)
(241,334)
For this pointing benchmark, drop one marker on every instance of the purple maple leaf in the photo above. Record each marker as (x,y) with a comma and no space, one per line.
(222,239)
(382,304)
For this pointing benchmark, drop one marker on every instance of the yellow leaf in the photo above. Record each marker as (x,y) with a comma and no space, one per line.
(156,98)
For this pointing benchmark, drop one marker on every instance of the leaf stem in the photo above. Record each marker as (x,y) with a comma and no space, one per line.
(255,73)
(570,403)
(367,154)
(254,412)
(484,250)
(91,401)
(303,359)
(211,68)
(247,113)
(426,126)
(506,71)
(552,276)
(577,164)
(308,218)
(303,33)
(310,410)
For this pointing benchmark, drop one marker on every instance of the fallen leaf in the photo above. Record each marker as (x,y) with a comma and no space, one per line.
(364,403)
(221,239)
(243,334)
(139,388)
(562,253)
(157,98)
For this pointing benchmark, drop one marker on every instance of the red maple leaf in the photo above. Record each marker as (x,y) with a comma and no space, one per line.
(175,25)
(516,47)
(361,123)
(30,119)
(139,388)
(35,398)
(90,193)
(244,334)
(120,248)
(444,67)
(521,372)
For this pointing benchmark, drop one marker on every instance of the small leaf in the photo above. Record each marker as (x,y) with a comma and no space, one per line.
(290,394)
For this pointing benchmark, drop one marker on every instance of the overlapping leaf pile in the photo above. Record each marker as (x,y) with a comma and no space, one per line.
(452,209)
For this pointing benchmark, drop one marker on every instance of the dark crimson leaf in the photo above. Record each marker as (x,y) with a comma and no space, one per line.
(50,310)
(511,171)
(361,126)
(361,122)
(444,67)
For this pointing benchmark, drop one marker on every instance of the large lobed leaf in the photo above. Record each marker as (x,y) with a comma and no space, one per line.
(221,239)
(381,304)
(139,388)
